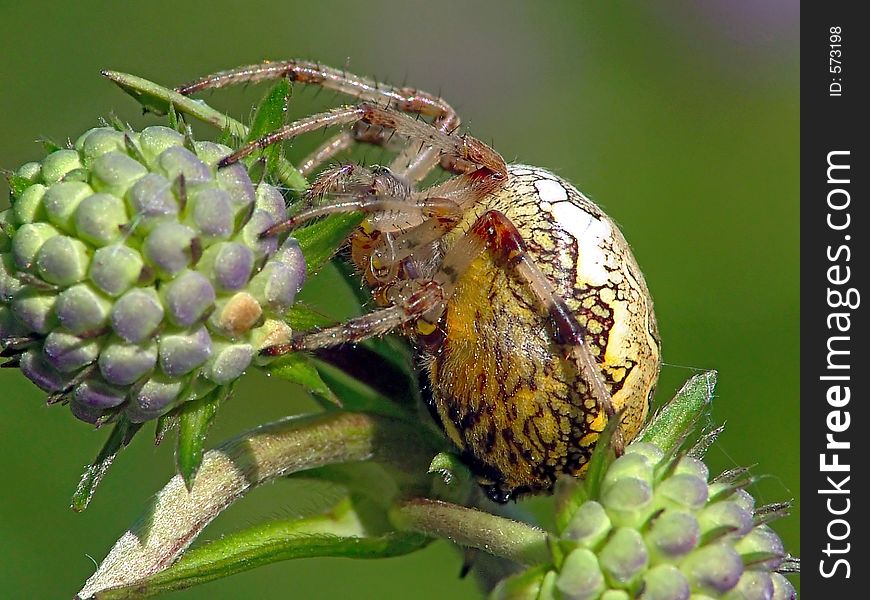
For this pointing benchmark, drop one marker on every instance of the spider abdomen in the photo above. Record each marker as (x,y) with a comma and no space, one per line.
(503,389)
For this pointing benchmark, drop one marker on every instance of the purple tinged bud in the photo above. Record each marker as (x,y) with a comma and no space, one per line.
(98,219)
(624,556)
(187,298)
(692,466)
(683,490)
(68,353)
(168,248)
(62,260)
(211,153)
(151,201)
(95,393)
(743,499)
(154,140)
(634,465)
(237,182)
(753,585)
(665,582)
(653,453)
(714,569)
(181,353)
(762,540)
(114,172)
(97,142)
(725,514)
(137,315)
(276,285)
(259,222)
(231,265)
(85,413)
(28,207)
(36,310)
(61,201)
(28,240)
(228,362)
(673,534)
(123,364)
(270,200)
(59,163)
(589,525)
(212,212)
(627,499)
(82,310)
(178,160)
(581,577)
(115,269)
(41,373)
(154,398)
(782,588)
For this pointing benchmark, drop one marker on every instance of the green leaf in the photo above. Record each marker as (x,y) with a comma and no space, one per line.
(302,317)
(270,115)
(339,533)
(194,420)
(321,240)
(300,368)
(675,421)
(17,184)
(121,435)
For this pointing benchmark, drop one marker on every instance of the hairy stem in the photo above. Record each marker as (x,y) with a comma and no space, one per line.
(473,528)
(176,516)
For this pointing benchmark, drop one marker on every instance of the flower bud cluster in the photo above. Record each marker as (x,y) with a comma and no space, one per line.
(133,275)
(658,529)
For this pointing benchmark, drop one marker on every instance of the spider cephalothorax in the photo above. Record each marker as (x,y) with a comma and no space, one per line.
(535,320)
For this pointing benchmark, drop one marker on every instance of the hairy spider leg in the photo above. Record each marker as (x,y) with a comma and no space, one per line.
(411,163)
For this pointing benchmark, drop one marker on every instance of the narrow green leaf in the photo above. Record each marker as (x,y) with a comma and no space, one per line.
(270,115)
(336,534)
(194,420)
(121,435)
(675,421)
(321,240)
(302,317)
(172,116)
(50,146)
(300,368)
(17,185)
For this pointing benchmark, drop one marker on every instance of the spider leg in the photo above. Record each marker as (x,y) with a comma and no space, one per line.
(462,148)
(411,163)
(416,298)
(360,132)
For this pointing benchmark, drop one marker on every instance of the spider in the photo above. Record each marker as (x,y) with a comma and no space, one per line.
(530,312)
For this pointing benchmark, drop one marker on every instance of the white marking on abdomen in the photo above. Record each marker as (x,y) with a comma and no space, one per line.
(550,190)
(590,232)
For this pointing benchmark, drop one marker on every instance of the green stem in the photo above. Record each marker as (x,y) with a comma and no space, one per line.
(176,516)
(470,527)
(338,533)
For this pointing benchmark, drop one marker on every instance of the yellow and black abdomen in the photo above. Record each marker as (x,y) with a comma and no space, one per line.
(502,389)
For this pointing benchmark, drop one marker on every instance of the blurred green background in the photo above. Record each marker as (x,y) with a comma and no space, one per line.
(680,119)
